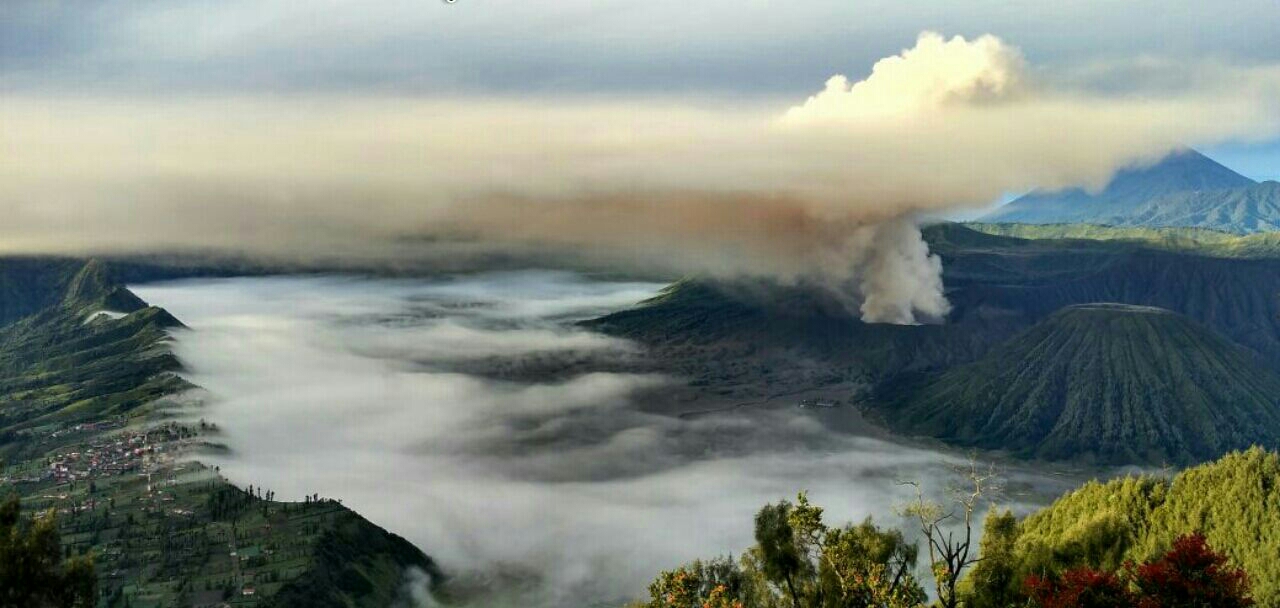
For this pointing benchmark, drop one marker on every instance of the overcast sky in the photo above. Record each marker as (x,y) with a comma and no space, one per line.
(752,47)
(745,50)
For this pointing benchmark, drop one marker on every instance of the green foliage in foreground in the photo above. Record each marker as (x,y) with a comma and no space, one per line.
(33,573)
(1234,502)
(799,560)
(1124,526)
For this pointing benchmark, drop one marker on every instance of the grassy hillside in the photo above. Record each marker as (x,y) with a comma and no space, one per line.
(1172,238)
(1105,382)
(355,565)
(1234,502)
(1201,241)
(92,353)
(87,407)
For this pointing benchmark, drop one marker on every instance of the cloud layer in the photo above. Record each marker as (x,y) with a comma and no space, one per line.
(559,492)
(826,190)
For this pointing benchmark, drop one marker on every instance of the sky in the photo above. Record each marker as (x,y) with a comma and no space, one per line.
(729,48)
(793,141)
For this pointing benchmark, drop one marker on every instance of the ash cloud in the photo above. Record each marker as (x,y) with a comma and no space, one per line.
(827,190)
(532,493)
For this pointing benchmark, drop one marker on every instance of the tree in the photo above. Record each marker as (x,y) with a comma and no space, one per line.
(776,545)
(1080,588)
(800,562)
(33,573)
(994,581)
(718,583)
(1189,575)
(858,565)
(950,555)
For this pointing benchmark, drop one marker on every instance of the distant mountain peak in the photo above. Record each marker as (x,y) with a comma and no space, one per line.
(1181,172)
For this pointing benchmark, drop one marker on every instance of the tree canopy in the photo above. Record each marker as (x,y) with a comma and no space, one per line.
(33,573)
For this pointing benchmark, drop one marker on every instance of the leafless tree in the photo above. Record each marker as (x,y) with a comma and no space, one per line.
(948,528)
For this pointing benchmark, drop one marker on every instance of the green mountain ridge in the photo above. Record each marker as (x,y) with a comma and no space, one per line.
(1110,383)
(75,382)
(60,364)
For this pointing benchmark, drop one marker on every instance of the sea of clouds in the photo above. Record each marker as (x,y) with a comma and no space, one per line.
(547,491)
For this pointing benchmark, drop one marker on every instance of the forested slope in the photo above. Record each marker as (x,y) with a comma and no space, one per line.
(1234,502)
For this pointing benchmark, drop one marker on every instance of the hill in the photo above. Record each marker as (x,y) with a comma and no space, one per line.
(89,393)
(750,340)
(1107,382)
(88,353)
(28,285)
(1245,210)
(1186,189)
(1234,502)
(724,334)
(997,284)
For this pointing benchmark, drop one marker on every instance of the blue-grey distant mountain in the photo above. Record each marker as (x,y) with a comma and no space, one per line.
(1187,188)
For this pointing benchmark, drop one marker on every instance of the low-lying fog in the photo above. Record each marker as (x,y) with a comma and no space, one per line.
(399,398)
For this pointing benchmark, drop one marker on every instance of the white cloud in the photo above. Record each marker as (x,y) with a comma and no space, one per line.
(936,72)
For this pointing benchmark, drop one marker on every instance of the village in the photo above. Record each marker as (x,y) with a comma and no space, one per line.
(129,493)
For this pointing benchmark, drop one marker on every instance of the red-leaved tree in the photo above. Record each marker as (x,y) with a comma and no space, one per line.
(1080,588)
(1189,575)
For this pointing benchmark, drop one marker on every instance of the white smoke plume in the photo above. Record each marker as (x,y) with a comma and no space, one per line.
(826,190)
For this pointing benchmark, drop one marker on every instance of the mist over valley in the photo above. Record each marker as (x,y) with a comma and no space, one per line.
(391,395)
